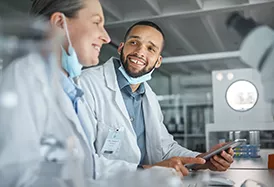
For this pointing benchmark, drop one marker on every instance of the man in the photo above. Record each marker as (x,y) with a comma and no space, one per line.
(129,122)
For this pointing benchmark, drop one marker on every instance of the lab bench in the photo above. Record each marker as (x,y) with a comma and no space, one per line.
(200,178)
(241,170)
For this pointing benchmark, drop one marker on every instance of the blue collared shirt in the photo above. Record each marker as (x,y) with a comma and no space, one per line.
(133,102)
(73,92)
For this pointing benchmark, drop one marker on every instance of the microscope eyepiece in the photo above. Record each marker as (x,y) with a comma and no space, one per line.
(239,23)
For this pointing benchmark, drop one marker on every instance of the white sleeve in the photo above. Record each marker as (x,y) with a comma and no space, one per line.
(21,129)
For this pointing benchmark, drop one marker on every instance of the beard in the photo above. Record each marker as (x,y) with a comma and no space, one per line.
(125,63)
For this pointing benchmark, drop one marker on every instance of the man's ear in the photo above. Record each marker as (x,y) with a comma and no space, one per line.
(159,61)
(120,47)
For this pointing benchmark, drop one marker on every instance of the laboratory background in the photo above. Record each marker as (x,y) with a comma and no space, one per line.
(208,91)
(197,84)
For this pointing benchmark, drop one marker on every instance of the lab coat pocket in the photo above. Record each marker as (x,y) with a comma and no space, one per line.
(109,140)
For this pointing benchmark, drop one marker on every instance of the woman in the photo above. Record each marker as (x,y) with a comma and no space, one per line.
(45,142)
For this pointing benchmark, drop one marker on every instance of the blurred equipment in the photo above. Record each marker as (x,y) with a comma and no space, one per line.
(252,183)
(220,181)
(240,100)
(240,111)
(171,126)
(257,49)
(271,161)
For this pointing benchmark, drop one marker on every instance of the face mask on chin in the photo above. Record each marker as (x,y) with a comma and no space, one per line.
(134,80)
(70,62)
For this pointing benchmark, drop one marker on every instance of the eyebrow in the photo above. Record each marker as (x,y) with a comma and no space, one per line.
(153,44)
(138,37)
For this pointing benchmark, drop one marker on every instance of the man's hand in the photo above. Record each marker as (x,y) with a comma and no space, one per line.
(219,162)
(178,163)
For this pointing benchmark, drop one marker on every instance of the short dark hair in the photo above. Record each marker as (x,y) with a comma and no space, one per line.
(46,8)
(145,23)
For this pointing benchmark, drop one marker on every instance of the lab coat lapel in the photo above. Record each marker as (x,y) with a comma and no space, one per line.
(152,126)
(65,105)
(61,97)
(111,81)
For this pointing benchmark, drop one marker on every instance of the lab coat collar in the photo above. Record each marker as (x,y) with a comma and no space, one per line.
(150,118)
(112,83)
(109,72)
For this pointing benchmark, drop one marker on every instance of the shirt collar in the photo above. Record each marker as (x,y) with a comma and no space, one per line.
(70,88)
(122,81)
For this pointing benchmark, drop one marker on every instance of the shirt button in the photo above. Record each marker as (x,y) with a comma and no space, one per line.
(131,119)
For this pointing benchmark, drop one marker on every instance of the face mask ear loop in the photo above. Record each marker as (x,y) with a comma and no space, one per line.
(66,29)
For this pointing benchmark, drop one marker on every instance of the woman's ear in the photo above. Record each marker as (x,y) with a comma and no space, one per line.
(57,20)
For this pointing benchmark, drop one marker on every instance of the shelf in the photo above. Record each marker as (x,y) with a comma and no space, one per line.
(164,106)
(196,135)
(175,106)
(177,135)
(267,141)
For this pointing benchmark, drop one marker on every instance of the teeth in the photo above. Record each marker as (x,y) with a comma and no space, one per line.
(97,48)
(136,61)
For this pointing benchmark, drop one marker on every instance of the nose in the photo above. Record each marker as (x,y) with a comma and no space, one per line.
(140,51)
(104,36)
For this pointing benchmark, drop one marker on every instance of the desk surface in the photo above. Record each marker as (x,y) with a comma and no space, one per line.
(200,178)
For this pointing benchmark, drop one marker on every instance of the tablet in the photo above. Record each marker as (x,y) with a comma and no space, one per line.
(212,153)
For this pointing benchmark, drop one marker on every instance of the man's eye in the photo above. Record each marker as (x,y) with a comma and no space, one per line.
(151,49)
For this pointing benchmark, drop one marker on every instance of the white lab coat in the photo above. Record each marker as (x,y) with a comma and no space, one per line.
(43,110)
(108,111)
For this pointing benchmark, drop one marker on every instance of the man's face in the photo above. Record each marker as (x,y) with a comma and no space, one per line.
(141,51)
(87,33)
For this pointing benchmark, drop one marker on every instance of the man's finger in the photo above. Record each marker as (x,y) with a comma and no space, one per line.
(221,161)
(178,169)
(217,165)
(184,170)
(230,151)
(227,157)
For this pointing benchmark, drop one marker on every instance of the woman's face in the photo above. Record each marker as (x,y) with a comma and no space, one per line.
(87,32)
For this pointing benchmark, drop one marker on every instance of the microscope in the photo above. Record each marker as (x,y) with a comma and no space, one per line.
(256,50)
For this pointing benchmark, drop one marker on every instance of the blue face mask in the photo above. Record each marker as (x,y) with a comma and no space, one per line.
(70,61)
(136,80)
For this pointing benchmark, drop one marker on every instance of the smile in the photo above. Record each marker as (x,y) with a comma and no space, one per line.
(137,62)
(97,48)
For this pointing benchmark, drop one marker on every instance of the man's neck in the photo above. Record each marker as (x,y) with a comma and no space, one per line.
(134,87)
